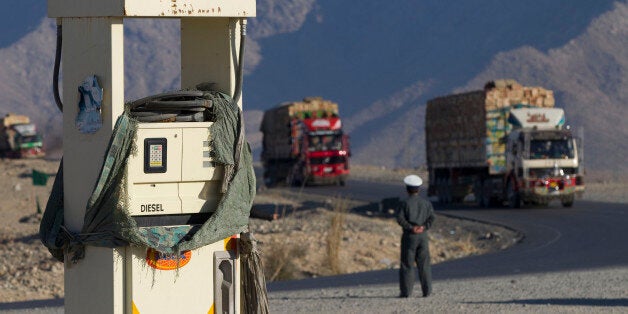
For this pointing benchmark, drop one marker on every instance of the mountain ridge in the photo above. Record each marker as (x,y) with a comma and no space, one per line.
(380,62)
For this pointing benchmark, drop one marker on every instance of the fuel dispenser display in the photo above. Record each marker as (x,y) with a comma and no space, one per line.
(155,155)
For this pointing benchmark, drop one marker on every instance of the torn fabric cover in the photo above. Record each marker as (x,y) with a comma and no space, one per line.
(107,222)
(88,119)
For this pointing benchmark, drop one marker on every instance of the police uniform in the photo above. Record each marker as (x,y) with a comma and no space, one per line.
(415,211)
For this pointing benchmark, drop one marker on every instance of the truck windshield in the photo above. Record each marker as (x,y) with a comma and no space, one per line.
(25,129)
(551,149)
(327,160)
(319,143)
(28,139)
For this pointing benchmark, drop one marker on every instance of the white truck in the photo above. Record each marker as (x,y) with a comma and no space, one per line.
(504,143)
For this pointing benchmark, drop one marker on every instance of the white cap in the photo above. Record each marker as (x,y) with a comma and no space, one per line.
(413,180)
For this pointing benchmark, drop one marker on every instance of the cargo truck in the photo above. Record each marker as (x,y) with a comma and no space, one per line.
(505,143)
(304,143)
(19,138)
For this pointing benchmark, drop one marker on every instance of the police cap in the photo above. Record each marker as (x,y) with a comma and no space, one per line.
(413,180)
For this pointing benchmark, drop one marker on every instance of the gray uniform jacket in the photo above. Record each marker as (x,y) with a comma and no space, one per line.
(415,211)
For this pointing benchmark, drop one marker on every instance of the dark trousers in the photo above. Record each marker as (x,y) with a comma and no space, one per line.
(415,248)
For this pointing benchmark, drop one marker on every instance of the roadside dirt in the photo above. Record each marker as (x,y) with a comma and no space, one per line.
(27,271)
(297,244)
(294,246)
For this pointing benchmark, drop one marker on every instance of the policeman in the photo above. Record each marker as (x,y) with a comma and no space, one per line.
(415,215)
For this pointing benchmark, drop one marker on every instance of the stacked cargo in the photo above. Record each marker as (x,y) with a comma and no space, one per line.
(506,93)
(280,128)
(312,107)
(457,136)
(14,119)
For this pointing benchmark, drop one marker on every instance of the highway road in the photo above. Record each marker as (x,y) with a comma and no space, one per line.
(570,260)
(585,236)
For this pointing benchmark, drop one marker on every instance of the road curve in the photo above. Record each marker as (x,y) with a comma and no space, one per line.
(586,243)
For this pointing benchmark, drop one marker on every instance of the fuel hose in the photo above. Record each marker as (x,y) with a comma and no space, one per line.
(55,75)
(179,106)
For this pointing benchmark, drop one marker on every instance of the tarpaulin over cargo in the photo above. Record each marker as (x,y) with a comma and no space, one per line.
(107,222)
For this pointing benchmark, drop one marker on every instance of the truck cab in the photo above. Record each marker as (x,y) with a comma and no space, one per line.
(19,138)
(304,143)
(542,162)
(326,157)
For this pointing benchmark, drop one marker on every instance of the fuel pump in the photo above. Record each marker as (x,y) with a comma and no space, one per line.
(174,182)
(147,207)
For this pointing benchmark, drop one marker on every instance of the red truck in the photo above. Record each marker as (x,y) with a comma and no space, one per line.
(304,144)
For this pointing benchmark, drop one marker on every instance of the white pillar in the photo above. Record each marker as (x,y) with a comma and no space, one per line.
(209,52)
(92,46)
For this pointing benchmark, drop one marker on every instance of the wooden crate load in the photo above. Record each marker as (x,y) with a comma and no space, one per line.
(467,129)
(312,107)
(13,119)
(506,93)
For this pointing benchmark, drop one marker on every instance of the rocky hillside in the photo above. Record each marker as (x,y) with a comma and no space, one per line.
(594,94)
(381,62)
(587,72)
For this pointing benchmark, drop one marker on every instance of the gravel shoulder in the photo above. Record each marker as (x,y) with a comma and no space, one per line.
(586,291)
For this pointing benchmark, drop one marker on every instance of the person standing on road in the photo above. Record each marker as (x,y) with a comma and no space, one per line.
(415,215)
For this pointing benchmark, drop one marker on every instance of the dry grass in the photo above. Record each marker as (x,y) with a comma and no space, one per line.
(465,246)
(443,249)
(334,236)
(279,262)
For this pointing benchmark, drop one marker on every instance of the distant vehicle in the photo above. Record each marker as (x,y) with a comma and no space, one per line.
(19,138)
(304,144)
(503,143)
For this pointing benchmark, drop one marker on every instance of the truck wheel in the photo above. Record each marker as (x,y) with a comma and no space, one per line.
(514,199)
(485,201)
(568,202)
(484,195)
(269,182)
(341,182)
(293,179)
(443,191)
(449,191)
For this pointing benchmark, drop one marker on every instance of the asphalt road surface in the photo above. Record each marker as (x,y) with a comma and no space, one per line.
(587,235)
(570,260)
